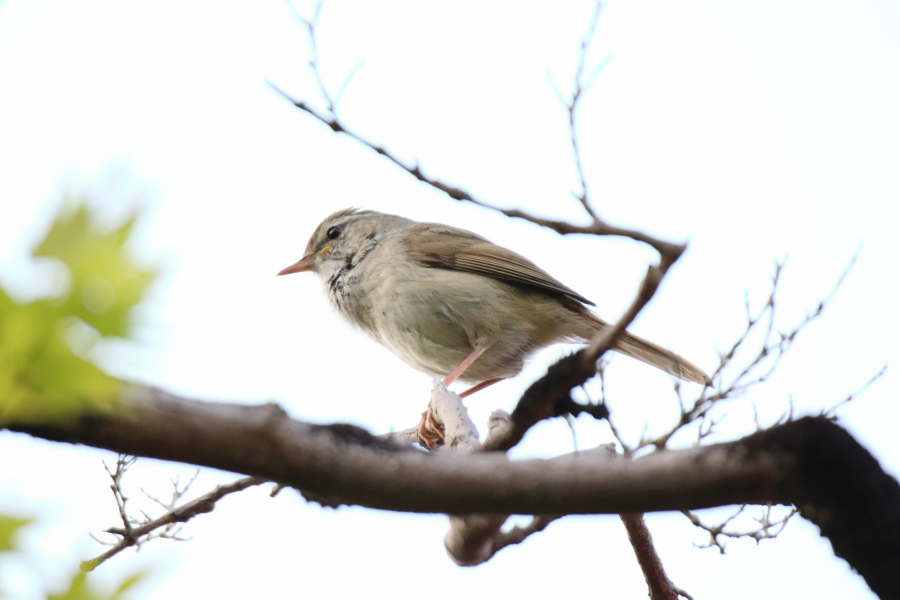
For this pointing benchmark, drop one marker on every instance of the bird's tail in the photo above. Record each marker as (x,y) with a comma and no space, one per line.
(645,351)
(653,355)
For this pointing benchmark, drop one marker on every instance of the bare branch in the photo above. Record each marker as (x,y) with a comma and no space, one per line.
(597,227)
(767,528)
(123,463)
(582,83)
(177,494)
(832,412)
(311,26)
(661,587)
(773,346)
(579,88)
(168,525)
(550,396)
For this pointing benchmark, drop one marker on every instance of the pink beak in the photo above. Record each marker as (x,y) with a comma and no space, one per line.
(304,264)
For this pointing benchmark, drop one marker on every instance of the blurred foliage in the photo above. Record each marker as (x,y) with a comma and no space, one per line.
(79,588)
(8,528)
(45,344)
(45,373)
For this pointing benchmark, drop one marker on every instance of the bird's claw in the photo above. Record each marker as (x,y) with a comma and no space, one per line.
(431,432)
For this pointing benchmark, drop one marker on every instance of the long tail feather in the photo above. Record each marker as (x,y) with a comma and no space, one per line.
(658,357)
(588,324)
(639,348)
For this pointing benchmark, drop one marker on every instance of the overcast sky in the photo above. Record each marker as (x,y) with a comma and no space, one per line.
(754,131)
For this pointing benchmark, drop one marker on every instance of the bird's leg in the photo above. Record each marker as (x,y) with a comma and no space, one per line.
(480,386)
(478,351)
(431,433)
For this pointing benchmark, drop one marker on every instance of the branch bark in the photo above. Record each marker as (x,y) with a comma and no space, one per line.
(812,463)
(659,584)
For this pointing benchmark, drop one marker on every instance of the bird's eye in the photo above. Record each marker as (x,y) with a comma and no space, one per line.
(334,232)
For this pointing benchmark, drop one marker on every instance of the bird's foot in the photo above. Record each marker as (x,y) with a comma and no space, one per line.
(431,432)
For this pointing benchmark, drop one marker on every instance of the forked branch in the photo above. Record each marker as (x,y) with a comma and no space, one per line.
(135,532)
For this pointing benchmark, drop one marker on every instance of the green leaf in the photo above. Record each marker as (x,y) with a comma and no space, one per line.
(9,526)
(126,585)
(45,373)
(79,589)
(105,282)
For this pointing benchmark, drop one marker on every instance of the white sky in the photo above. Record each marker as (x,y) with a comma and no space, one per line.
(753,130)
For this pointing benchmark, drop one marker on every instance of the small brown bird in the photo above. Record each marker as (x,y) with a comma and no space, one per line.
(452,304)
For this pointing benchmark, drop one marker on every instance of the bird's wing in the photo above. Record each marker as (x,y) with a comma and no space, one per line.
(444,247)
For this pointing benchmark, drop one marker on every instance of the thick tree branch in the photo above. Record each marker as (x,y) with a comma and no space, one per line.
(472,539)
(475,539)
(341,459)
(811,463)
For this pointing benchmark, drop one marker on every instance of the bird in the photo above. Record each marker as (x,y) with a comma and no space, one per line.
(452,304)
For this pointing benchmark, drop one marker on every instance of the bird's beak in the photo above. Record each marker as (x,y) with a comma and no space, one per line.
(304,264)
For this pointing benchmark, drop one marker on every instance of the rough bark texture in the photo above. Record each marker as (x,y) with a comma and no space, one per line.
(838,485)
(811,462)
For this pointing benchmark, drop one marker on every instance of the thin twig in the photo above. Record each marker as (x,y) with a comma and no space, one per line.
(597,227)
(133,536)
(767,528)
(123,463)
(832,412)
(550,396)
(773,346)
(579,88)
(311,26)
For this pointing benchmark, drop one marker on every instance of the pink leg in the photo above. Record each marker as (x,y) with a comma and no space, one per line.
(478,351)
(480,386)
(431,433)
